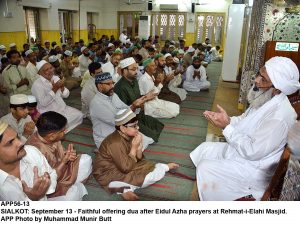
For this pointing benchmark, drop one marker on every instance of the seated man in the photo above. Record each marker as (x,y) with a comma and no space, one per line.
(49,91)
(18,118)
(196,79)
(215,54)
(71,169)
(104,107)
(16,78)
(119,164)
(157,108)
(128,91)
(89,89)
(255,140)
(24,172)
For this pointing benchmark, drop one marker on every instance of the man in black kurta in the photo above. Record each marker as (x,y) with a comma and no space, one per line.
(128,91)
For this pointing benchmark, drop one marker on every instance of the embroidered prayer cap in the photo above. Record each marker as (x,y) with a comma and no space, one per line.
(293,140)
(40,64)
(28,52)
(68,53)
(180,51)
(83,48)
(124,116)
(31,99)
(146,62)
(190,49)
(47,41)
(284,74)
(52,59)
(3,127)
(12,45)
(110,45)
(157,56)
(2,47)
(99,78)
(127,62)
(18,99)
(167,55)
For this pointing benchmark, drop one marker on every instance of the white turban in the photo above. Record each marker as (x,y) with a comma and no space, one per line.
(284,74)
(127,62)
(294,140)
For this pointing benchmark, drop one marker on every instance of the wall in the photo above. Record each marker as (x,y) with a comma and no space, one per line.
(106,23)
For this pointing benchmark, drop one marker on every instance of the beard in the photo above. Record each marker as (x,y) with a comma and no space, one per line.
(258,98)
(110,92)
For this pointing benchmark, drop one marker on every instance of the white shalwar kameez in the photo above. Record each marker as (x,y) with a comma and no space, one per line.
(11,187)
(49,101)
(32,71)
(103,110)
(157,108)
(88,92)
(196,84)
(109,68)
(173,84)
(245,164)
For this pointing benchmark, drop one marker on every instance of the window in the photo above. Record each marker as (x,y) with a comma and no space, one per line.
(65,19)
(210,25)
(32,23)
(168,25)
(129,21)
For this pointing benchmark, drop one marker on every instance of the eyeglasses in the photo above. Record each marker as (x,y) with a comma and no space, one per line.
(132,125)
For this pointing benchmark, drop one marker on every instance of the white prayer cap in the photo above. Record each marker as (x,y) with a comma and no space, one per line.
(127,62)
(52,58)
(55,46)
(124,116)
(40,64)
(83,48)
(190,49)
(47,41)
(284,74)
(18,99)
(28,52)
(110,44)
(2,47)
(3,127)
(180,51)
(209,45)
(12,45)
(294,140)
(167,55)
(31,99)
(68,53)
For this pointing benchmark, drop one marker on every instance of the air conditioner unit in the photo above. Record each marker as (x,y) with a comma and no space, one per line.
(170,7)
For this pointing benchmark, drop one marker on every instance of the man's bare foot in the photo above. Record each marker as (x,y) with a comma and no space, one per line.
(130,196)
(172,166)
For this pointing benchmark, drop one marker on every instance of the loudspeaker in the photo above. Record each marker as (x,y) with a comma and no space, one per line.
(150,6)
(193,7)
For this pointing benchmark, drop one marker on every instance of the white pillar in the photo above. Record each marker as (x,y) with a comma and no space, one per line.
(233,42)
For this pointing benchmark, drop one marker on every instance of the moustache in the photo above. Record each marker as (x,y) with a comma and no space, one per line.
(20,149)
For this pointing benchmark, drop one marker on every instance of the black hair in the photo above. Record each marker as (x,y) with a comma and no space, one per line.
(32,104)
(12,52)
(53,43)
(25,44)
(151,49)
(94,66)
(133,120)
(50,122)
(4,60)
(12,106)
(1,136)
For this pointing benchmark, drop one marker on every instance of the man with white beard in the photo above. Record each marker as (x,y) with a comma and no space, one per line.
(255,140)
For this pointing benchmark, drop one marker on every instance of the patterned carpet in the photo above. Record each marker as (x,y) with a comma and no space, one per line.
(179,137)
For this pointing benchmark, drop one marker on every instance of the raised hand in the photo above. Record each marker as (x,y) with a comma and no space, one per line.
(151,95)
(219,119)
(40,186)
